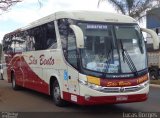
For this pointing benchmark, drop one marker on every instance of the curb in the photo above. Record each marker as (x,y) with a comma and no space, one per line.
(155,85)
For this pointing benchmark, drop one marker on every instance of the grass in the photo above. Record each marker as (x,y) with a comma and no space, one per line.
(155,81)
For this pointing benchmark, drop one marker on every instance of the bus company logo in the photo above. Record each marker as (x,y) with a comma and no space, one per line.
(121,83)
(122,89)
(124,83)
(109,84)
(32,60)
(142,79)
(42,60)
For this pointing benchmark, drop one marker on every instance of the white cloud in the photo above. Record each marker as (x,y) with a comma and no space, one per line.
(29,10)
(1,35)
(22,14)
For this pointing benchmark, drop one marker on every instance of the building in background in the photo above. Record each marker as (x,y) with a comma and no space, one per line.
(153,21)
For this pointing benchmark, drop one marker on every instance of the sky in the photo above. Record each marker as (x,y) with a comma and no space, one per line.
(28,11)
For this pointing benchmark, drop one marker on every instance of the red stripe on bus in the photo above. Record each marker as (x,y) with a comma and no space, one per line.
(99,100)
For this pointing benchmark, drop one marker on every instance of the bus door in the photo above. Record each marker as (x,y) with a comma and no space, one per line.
(73,80)
(72,67)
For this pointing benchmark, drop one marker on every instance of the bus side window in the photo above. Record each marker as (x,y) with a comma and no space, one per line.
(7,45)
(42,37)
(68,42)
(19,43)
(63,31)
(30,42)
(51,36)
(34,39)
(14,43)
(71,48)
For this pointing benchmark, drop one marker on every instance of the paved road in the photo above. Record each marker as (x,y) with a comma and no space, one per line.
(29,101)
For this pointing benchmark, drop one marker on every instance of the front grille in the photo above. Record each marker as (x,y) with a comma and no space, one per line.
(132,89)
(120,89)
(111,89)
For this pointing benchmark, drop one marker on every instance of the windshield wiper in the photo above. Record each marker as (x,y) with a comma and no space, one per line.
(109,56)
(127,58)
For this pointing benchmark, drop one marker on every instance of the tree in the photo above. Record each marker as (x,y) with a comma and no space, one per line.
(5,4)
(133,8)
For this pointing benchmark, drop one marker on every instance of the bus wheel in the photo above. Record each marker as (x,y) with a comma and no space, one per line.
(14,85)
(56,94)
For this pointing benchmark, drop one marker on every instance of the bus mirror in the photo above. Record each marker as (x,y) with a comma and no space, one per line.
(154,37)
(79,36)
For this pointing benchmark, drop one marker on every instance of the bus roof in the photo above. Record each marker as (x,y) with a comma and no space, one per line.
(96,16)
(84,16)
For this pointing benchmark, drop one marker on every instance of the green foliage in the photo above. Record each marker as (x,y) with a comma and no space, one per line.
(6,4)
(133,8)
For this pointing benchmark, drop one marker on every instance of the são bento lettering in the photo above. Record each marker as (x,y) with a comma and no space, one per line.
(42,60)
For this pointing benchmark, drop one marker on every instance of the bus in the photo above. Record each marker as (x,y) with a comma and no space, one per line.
(84,57)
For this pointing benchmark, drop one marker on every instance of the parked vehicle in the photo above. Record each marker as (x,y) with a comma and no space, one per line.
(153,62)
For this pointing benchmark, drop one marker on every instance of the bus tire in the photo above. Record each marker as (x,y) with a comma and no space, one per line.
(56,95)
(14,85)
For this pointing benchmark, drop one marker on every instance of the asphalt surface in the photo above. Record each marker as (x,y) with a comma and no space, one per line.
(30,101)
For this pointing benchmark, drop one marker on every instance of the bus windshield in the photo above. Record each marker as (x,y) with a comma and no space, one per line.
(113,48)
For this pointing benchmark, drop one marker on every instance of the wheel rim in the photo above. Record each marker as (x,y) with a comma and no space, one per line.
(56,93)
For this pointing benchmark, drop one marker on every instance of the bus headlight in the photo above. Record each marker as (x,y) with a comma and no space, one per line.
(83,82)
(146,83)
(95,87)
(143,85)
(90,85)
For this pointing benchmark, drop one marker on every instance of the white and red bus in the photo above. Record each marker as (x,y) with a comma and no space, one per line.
(80,56)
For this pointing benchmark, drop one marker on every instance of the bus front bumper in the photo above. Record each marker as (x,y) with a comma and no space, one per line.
(90,96)
(101,100)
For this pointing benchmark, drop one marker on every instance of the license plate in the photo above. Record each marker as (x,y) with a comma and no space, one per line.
(121,98)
